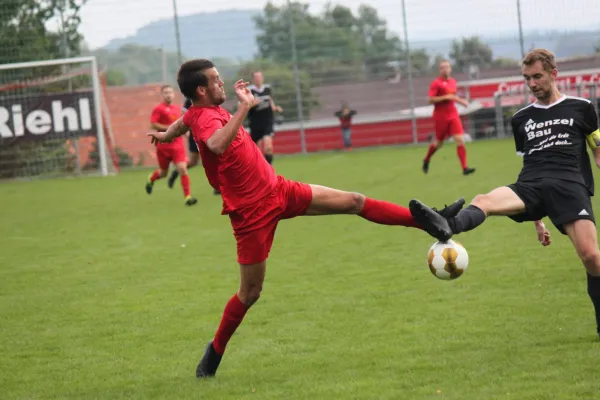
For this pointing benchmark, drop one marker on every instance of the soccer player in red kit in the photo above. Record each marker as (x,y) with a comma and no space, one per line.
(164,115)
(254,197)
(442,94)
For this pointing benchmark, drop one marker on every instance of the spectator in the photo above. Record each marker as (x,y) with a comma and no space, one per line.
(345,116)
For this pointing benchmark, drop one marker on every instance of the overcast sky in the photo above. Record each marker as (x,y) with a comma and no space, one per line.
(103,20)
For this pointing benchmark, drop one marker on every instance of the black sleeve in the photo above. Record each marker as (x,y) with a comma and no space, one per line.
(353,113)
(518,136)
(590,123)
(590,119)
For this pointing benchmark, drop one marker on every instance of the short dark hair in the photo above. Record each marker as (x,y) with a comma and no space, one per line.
(544,56)
(191,75)
(163,87)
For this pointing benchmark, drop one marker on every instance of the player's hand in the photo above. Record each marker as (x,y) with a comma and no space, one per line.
(157,137)
(278,109)
(242,92)
(543,233)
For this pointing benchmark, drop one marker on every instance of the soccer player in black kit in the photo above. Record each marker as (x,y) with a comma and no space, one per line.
(262,116)
(556,179)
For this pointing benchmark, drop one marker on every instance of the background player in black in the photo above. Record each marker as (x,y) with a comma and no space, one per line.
(193,149)
(262,115)
(556,179)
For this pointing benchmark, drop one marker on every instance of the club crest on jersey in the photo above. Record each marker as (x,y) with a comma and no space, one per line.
(531,126)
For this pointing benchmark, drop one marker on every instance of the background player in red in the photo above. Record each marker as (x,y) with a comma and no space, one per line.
(164,115)
(442,94)
(254,197)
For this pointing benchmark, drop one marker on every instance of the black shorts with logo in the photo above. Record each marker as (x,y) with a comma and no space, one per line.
(193,147)
(560,200)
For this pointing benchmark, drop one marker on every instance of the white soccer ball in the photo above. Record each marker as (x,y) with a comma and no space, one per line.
(448,260)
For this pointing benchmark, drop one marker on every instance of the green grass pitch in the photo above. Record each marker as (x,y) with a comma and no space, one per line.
(108,293)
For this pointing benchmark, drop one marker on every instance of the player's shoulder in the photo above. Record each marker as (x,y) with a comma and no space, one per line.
(523,112)
(577,102)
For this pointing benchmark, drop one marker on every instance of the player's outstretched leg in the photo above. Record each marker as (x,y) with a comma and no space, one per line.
(584,238)
(252,277)
(327,201)
(500,201)
(153,177)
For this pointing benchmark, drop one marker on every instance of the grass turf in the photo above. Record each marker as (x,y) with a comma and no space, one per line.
(108,293)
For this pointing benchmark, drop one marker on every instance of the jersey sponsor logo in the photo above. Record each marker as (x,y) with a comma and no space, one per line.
(531,127)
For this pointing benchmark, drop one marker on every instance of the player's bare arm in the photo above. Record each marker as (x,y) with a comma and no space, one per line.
(176,129)
(159,127)
(222,138)
(439,99)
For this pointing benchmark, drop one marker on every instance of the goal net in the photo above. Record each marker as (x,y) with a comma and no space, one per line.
(52,120)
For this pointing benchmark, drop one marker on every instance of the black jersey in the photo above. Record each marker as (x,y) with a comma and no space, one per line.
(261,116)
(552,140)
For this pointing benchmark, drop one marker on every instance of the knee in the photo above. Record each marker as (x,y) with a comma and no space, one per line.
(250,295)
(182,169)
(590,256)
(481,201)
(460,141)
(164,172)
(356,202)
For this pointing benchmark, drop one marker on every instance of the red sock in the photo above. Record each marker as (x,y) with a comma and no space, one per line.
(233,315)
(185,184)
(155,176)
(385,213)
(461,151)
(432,149)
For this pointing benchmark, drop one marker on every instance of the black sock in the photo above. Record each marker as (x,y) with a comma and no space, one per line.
(174,175)
(467,219)
(269,158)
(594,292)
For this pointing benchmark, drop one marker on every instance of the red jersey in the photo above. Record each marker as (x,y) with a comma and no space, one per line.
(444,110)
(241,173)
(166,114)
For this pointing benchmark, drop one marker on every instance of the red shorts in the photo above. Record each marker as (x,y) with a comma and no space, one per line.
(167,152)
(444,128)
(254,225)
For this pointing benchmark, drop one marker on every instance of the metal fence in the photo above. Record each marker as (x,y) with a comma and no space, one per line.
(376,56)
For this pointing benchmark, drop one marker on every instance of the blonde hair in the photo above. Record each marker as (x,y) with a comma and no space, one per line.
(544,56)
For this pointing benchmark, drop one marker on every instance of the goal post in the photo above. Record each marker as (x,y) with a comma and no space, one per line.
(52,121)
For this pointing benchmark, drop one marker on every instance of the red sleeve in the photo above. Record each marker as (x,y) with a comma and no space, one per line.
(156,114)
(203,126)
(433,89)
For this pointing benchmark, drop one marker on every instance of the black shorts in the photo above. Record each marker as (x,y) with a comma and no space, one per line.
(561,200)
(259,134)
(193,147)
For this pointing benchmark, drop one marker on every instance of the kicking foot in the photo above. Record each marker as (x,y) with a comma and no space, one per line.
(451,210)
(468,171)
(432,222)
(209,363)
(190,201)
(425,166)
(172,179)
